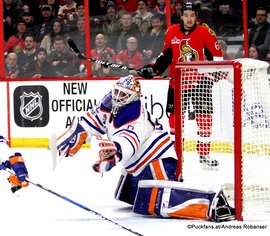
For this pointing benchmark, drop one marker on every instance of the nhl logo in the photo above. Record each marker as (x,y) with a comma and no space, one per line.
(31,106)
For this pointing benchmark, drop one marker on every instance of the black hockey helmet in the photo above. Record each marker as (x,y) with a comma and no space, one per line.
(189,6)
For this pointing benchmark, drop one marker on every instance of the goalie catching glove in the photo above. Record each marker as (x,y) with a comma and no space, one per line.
(109,155)
(69,143)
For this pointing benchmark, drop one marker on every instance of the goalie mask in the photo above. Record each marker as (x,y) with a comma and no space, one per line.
(126,90)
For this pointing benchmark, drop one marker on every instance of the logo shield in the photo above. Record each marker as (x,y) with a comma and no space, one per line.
(31,106)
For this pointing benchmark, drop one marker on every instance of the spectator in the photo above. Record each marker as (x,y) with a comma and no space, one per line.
(101,8)
(32,6)
(126,6)
(62,60)
(58,29)
(11,11)
(11,67)
(205,15)
(16,42)
(96,19)
(224,47)
(127,29)
(160,7)
(155,40)
(27,55)
(67,12)
(39,68)
(79,39)
(26,8)
(259,35)
(240,52)
(102,52)
(44,25)
(176,15)
(142,13)
(55,4)
(78,35)
(225,20)
(80,14)
(131,57)
(143,37)
(29,20)
(254,53)
(112,20)
(212,4)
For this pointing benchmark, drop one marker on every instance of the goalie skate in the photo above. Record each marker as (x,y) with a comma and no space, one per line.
(223,211)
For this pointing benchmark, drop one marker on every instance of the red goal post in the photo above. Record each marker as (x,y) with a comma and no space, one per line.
(240,132)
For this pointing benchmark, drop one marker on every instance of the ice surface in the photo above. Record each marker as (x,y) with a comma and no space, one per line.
(35,212)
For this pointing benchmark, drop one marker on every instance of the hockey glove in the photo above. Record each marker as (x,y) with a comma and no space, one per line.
(107,156)
(16,163)
(146,72)
(3,139)
(69,143)
(105,165)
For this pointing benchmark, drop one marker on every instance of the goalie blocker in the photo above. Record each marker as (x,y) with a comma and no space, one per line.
(179,200)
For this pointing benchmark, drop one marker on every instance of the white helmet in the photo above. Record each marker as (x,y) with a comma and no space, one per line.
(126,90)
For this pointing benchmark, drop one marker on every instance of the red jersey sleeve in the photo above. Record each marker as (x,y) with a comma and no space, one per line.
(211,42)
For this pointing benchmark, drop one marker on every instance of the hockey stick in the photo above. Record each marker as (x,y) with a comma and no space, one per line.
(56,159)
(76,204)
(77,52)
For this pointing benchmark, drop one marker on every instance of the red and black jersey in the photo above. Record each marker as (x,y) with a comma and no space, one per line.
(181,45)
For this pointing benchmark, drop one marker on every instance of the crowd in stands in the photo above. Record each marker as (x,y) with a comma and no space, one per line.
(127,32)
(35,37)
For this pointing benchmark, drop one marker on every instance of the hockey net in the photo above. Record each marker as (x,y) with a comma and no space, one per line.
(240,133)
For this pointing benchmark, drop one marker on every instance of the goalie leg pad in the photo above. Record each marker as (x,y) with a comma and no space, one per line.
(174,199)
(126,188)
(163,169)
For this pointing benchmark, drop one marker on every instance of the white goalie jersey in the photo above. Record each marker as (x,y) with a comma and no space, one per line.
(140,135)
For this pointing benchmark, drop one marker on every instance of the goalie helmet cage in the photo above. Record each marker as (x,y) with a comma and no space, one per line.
(240,132)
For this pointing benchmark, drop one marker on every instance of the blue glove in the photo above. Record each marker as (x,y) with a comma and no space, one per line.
(2,166)
(2,139)
(18,166)
(71,141)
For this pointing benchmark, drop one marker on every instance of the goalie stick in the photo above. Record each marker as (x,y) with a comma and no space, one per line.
(56,159)
(77,204)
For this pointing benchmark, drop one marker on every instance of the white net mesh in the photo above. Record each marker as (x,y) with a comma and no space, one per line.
(218,143)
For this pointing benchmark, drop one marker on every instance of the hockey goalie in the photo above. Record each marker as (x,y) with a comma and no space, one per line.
(137,141)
